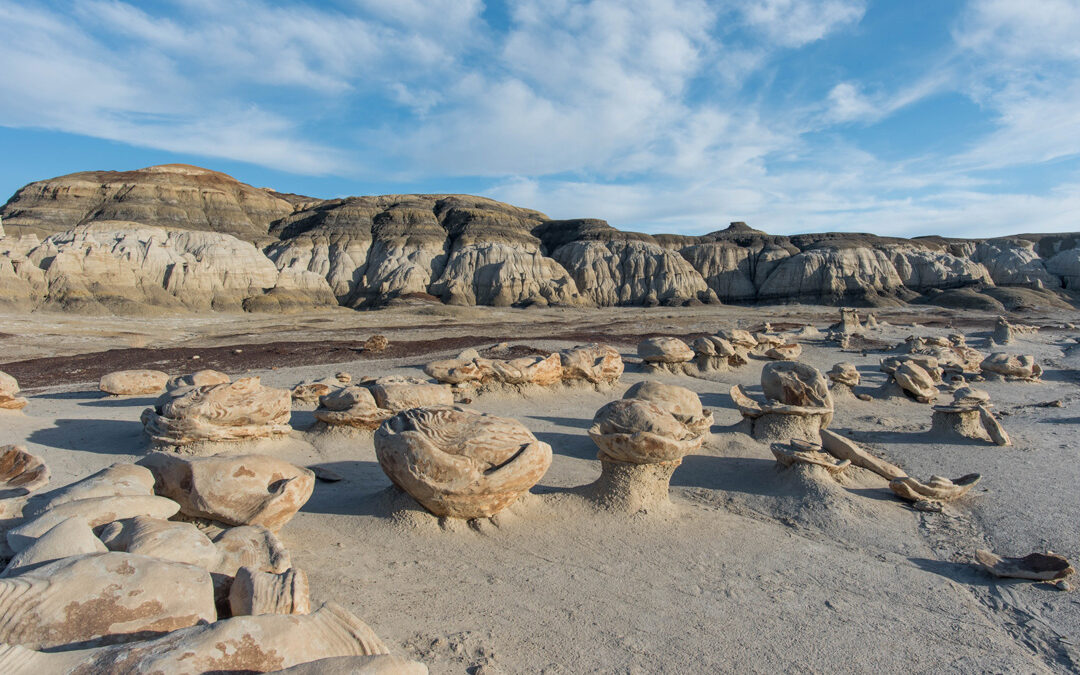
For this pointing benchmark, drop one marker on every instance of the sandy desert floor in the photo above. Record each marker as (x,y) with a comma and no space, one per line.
(754,569)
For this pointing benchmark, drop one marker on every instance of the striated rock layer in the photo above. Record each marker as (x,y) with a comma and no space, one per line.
(179,237)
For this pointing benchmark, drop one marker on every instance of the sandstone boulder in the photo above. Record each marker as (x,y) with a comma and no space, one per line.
(70,537)
(102,598)
(21,471)
(845,374)
(235,411)
(165,539)
(9,393)
(460,463)
(1035,566)
(594,363)
(399,393)
(133,382)
(664,350)
(809,454)
(682,403)
(351,407)
(96,511)
(916,382)
(936,489)
(199,378)
(1012,366)
(254,592)
(798,403)
(233,489)
(118,480)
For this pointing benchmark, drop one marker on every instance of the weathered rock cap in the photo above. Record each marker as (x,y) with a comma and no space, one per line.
(458,462)
(664,350)
(232,411)
(683,404)
(9,390)
(22,470)
(199,378)
(133,382)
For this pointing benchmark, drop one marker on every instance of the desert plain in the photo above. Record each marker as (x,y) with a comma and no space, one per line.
(752,567)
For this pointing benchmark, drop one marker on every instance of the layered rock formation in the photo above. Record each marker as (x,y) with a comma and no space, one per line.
(179,237)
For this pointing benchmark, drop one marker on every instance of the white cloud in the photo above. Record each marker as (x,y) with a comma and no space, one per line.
(794,23)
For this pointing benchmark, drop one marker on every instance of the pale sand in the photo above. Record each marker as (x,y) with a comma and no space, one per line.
(754,569)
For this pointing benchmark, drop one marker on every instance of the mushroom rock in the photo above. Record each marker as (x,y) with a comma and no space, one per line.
(800,452)
(351,407)
(798,403)
(968,416)
(740,339)
(242,644)
(844,377)
(233,489)
(460,463)
(21,471)
(118,480)
(232,411)
(849,321)
(199,378)
(937,489)
(916,382)
(661,351)
(843,448)
(397,393)
(1012,366)
(594,363)
(70,537)
(1035,566)
(102,598)
(97,511)
(642,441)
(927,363)
(133,382)
(784,352)
(9,390)
(254,592)
(713,352)
(1003,332)
(165,539)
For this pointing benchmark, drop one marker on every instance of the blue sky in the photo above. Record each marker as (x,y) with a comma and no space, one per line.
(903,118)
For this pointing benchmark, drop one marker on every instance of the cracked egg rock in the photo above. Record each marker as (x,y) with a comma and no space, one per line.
(458,462)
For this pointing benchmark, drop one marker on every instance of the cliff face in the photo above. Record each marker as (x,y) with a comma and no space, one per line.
(178,237)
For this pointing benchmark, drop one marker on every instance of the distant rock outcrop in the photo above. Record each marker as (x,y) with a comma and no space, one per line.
(178,237)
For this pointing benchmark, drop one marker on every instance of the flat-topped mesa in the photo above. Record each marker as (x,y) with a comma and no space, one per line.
(798,403)
(969,416)
(459,463)
(642,439)
(9,393)
(207,419)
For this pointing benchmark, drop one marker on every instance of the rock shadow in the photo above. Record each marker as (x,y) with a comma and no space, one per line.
(343,497)
(90,435)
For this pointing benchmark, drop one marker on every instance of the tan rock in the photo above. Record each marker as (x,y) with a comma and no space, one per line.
(71,536)
(399,393)
(664,350)
(251,546)
(243,644)
(845,373)
(22,471)
(199,378)
(133,382)
(343,377)
(460,463)
(1003,332)
(844,448)
(634,431)
(102,598)
(254,592)
(311,392)
(240,410)
(97,511)
(681,402)
(233,489)
(9,390)
(784,352)
(595,363)
(1035,566)
(849,321)
(916,382)
(118,480)
(738,338)
(798,403)
(1012,366)
(351,406)
(165,539)
(936,489)
(795,383)
(376,343)
(542,371)
(809,454)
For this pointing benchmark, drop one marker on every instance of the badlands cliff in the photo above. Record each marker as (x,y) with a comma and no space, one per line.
(177,237)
